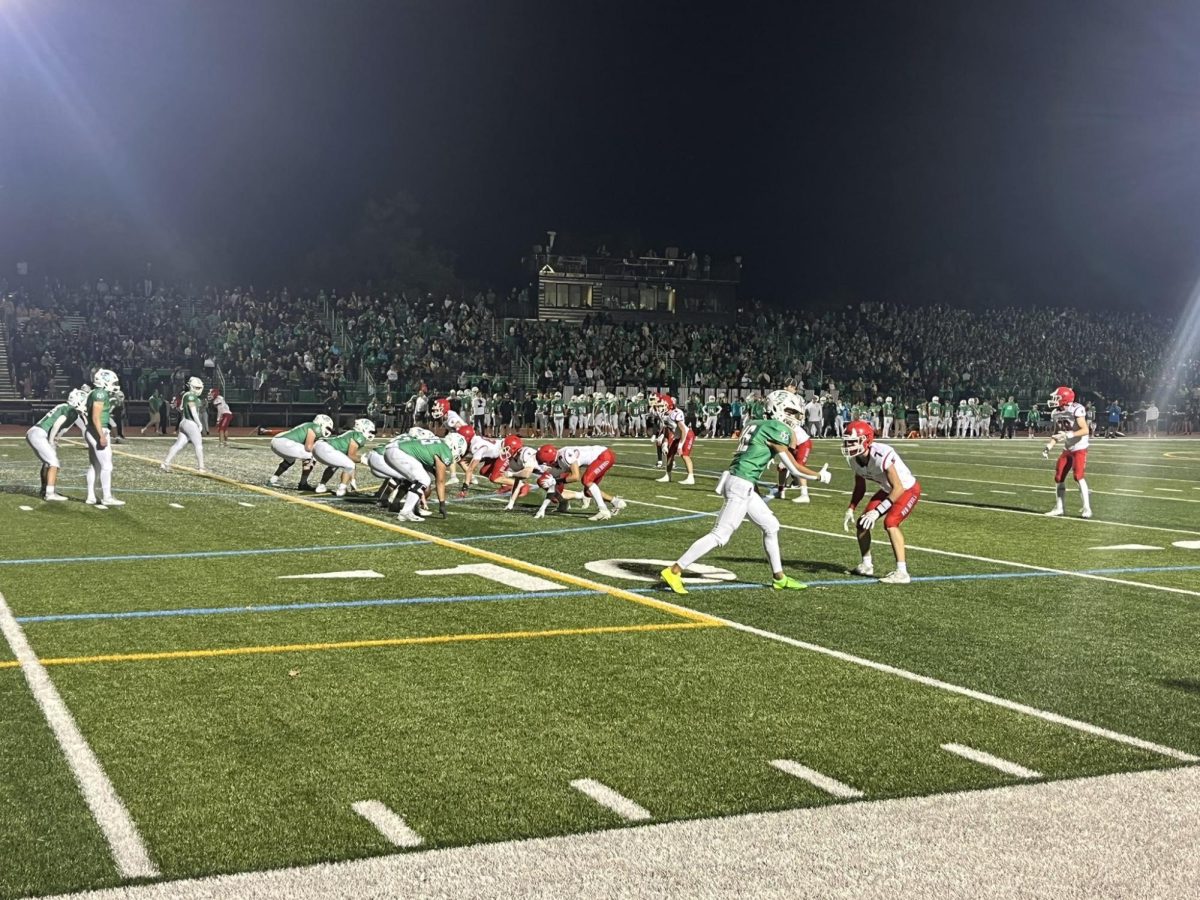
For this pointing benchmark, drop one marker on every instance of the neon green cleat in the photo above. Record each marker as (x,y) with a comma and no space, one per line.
(787,583)
(674,582)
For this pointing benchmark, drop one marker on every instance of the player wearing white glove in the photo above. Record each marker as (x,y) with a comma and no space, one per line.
(894,501)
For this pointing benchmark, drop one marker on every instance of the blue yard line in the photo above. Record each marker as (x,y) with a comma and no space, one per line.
(269,551)
(487,598)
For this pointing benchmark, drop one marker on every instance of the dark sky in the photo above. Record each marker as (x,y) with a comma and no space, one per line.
(1033,152)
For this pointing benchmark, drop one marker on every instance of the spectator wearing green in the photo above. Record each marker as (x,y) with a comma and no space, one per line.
(1009,412)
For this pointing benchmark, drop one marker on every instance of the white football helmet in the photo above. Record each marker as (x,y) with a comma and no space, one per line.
(712,398)
(558,395)
(106,379)
(419,433)
(935,399)
(784,406)
(77,400)
(195,385)
(324,423)
(457,444)
(609,397)
(365,427)
(887,399)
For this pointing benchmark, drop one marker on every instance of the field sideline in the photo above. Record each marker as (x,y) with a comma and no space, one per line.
(247,678)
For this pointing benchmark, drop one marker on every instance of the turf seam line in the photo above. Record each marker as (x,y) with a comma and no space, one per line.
(1008,767)
(120,832)
(213,653)
(553,574)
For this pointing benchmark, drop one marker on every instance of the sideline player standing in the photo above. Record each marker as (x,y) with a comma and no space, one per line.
(894,501)
(189,424)
(1071,430)
(760,442)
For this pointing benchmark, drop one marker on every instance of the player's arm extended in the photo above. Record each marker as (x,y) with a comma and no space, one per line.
(788,461)
(574,474)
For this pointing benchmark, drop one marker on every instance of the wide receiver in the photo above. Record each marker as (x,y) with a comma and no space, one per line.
(677,436)
(761,441)
(898,493)
(1071,430)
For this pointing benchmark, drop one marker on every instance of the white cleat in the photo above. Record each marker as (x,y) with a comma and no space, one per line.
(896,577)
(321,489)
(91,501)
(112,501)
(803,498)
(863,569)
(424,511)
(659,464)
(1057,511)
(601,516)
(453,480)
(689,480)
(539,515)
(1086,514)
(165,467)
(56,498)
(341,491)
(202,470)
(666,479)
(273,481)
(617,505)
(408,517)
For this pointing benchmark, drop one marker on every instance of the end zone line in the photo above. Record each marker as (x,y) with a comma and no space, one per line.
(359,645)
(534,569)
(124,841)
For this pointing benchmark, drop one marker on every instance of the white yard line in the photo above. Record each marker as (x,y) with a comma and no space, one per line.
(610,799)
(128,851)
(829,785)
(1010,493)
(962,493)
(993,762)
(387,823)
(1173,491)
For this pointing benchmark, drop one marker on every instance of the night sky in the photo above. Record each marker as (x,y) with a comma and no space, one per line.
(969,152)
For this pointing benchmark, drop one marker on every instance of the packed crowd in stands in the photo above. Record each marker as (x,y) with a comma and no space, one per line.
(273,342)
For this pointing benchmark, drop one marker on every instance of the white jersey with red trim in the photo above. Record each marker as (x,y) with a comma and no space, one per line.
(576,456)
(1065,419)
(222,407)
(485,448)
(801,434)
(881,457)
(674,420)
(454,421)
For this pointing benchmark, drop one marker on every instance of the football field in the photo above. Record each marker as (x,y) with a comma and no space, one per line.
(223,677)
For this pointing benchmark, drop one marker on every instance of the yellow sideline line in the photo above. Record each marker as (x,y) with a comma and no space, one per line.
(552,574)
(358,645)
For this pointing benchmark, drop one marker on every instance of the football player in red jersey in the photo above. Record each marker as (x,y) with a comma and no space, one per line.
(586,466)
(678,437)
(1071,430)
(441,413)
(490,457)
(898,493)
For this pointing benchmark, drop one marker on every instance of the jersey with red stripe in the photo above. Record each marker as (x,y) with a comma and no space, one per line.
(577,456)
(881,457)
(485,448)
(801,434)
(221,405)
(1065,418)
(674,420)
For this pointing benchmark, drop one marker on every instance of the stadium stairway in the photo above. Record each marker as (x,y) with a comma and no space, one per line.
(8,388)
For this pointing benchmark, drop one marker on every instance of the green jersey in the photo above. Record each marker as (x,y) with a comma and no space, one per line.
(342,441)
(427,451)
(888,410)
(557,409)
(1009,410)
(712,409)
(189,405)
(300,433)
(935,409)
(101,396)
(755,409)
(754,453)
(55,420)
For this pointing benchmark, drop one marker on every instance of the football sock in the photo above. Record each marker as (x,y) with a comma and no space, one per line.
(867,559)
(327,474)
(771,545)
(596,494)
(283,467)
(901,566)
(90,474)
(1084,494)
(1060,491)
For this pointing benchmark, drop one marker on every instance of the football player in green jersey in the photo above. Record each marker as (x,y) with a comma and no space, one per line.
(96,420)
(761,442)
(342,453)
(189,424)
(298,444)
(43,438)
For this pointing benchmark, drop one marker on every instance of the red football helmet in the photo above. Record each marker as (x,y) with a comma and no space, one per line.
(546,454)
(440,408)
(214,393)
(511,447)
(666,401)
(468,433)
(857,439)
(1061,397)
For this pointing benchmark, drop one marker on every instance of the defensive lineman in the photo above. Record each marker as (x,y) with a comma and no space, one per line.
(760,442)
